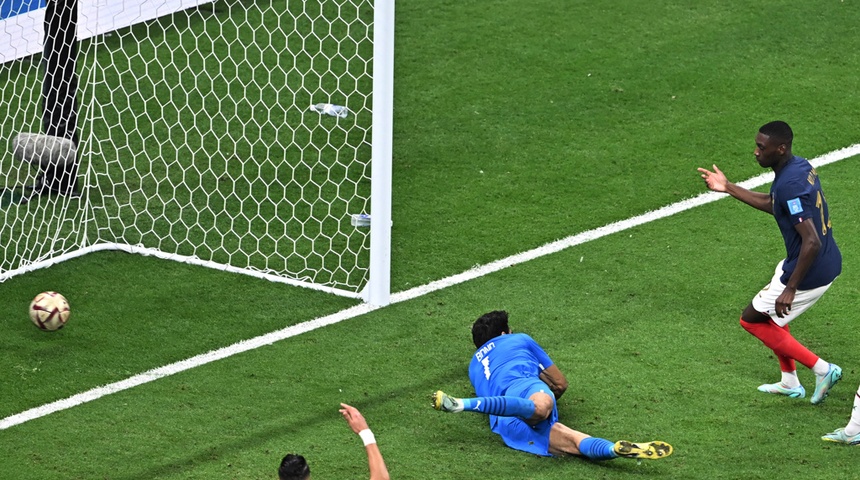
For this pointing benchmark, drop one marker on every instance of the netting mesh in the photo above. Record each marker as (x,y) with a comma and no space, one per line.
(196,139)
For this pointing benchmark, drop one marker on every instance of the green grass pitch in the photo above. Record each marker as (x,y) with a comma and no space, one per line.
(516,124)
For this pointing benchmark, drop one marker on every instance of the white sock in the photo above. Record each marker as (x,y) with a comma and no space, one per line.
(821,368)
(790,380)
(853,427)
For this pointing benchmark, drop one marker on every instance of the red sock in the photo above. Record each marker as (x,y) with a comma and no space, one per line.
(781,342)
(786,364)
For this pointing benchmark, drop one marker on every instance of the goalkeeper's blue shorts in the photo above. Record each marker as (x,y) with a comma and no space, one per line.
(518,434)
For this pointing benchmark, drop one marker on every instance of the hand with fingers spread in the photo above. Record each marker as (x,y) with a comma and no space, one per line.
(715,180)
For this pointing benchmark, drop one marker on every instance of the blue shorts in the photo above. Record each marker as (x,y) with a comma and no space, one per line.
(518,434)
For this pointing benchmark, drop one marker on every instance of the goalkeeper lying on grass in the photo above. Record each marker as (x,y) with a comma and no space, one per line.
(517,386)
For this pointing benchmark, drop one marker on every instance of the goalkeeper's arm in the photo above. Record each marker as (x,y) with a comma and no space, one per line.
(555,380)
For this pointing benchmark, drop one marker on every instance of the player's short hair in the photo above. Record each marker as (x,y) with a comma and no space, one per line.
(779,131)
(294,467)
(489,326)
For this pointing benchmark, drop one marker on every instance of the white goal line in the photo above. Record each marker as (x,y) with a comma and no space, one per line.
(410,294)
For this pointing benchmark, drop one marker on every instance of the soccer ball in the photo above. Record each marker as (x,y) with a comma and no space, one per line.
(49,311)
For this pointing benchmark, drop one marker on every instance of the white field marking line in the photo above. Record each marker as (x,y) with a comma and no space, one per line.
(186,364)
(410,294)
(609,229)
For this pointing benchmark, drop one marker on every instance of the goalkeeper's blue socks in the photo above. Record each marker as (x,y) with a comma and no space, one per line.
(500,406)
(595,448)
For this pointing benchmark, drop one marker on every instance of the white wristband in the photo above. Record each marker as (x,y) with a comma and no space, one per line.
(367,436)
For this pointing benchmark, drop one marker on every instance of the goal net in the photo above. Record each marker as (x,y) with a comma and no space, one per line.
(198,143)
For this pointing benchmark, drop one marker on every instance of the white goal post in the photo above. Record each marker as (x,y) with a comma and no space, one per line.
(196,140)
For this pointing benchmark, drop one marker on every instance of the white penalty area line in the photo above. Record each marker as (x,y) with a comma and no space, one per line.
(352,312)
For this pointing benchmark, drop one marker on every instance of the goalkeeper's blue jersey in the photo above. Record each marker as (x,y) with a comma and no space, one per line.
(797,197)
(504,360)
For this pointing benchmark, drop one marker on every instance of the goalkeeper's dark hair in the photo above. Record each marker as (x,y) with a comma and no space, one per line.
(489,326)
(294,467)
(778,131)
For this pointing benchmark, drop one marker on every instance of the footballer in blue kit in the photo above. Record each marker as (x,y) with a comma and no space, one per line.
(511,364)
(811,264)
(517,385)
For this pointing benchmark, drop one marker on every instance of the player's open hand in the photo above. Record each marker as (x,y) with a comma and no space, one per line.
(715,180)
(353,417)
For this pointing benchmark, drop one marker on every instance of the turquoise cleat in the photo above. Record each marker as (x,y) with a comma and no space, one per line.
(839,436)
(825,383)
(781,389)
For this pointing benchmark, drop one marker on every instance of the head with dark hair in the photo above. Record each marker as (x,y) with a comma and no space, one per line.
(778,131)
(489,326)
(773,144)
(294,467)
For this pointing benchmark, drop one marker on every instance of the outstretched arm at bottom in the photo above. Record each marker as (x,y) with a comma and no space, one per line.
(358,424)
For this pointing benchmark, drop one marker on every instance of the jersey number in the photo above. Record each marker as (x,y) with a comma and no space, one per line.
(486,363)
(825,222)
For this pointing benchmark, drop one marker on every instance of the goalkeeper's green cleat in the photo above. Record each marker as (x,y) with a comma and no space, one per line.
(446,403)
(649,450)
(839,436)
(781,389)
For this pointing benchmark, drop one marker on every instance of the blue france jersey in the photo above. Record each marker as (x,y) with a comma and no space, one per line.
(797,197)
(503,360)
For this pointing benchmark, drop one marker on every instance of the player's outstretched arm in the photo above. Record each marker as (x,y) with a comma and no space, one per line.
(718,182)
(358,424)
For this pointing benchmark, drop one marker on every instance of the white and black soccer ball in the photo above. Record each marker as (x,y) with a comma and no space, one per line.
(49,311)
